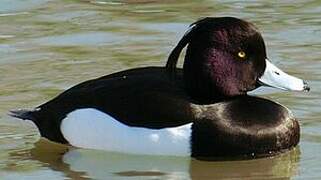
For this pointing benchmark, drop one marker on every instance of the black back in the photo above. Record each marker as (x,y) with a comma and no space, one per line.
(144,97)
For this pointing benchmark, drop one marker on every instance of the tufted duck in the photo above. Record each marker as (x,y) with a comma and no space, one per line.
(201,110)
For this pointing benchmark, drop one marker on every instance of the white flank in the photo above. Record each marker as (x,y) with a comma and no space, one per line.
(91,128)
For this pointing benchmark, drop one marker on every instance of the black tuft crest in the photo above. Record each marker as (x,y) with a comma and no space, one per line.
(174,55)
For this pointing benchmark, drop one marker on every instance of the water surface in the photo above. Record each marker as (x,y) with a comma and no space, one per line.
(48,46)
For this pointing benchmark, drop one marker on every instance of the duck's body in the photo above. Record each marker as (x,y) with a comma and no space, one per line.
(139,97)
(201,110)
(145,97)
(82,122)
(223,129)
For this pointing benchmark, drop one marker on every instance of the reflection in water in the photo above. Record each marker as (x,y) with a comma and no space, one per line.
(87,164)
(283,166)
(51,156)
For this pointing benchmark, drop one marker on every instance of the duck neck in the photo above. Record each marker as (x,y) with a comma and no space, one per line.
(200,92)
(198,82)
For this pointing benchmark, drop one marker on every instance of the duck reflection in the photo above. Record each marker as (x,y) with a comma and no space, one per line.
(93,164)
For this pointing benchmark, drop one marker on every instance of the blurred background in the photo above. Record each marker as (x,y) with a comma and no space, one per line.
(47,46)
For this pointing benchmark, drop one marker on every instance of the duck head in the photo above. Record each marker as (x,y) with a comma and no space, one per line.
(226,57)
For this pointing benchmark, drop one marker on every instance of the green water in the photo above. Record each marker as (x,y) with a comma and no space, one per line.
(46,46)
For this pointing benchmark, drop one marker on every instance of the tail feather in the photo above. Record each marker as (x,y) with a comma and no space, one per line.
(48,126)
(23,114)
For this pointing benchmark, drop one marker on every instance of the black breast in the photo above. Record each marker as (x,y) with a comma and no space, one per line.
(244,126)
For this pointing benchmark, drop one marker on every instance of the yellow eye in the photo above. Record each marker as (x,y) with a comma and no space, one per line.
(241,54)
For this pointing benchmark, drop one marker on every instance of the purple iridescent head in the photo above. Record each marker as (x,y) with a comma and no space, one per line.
(225,57)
